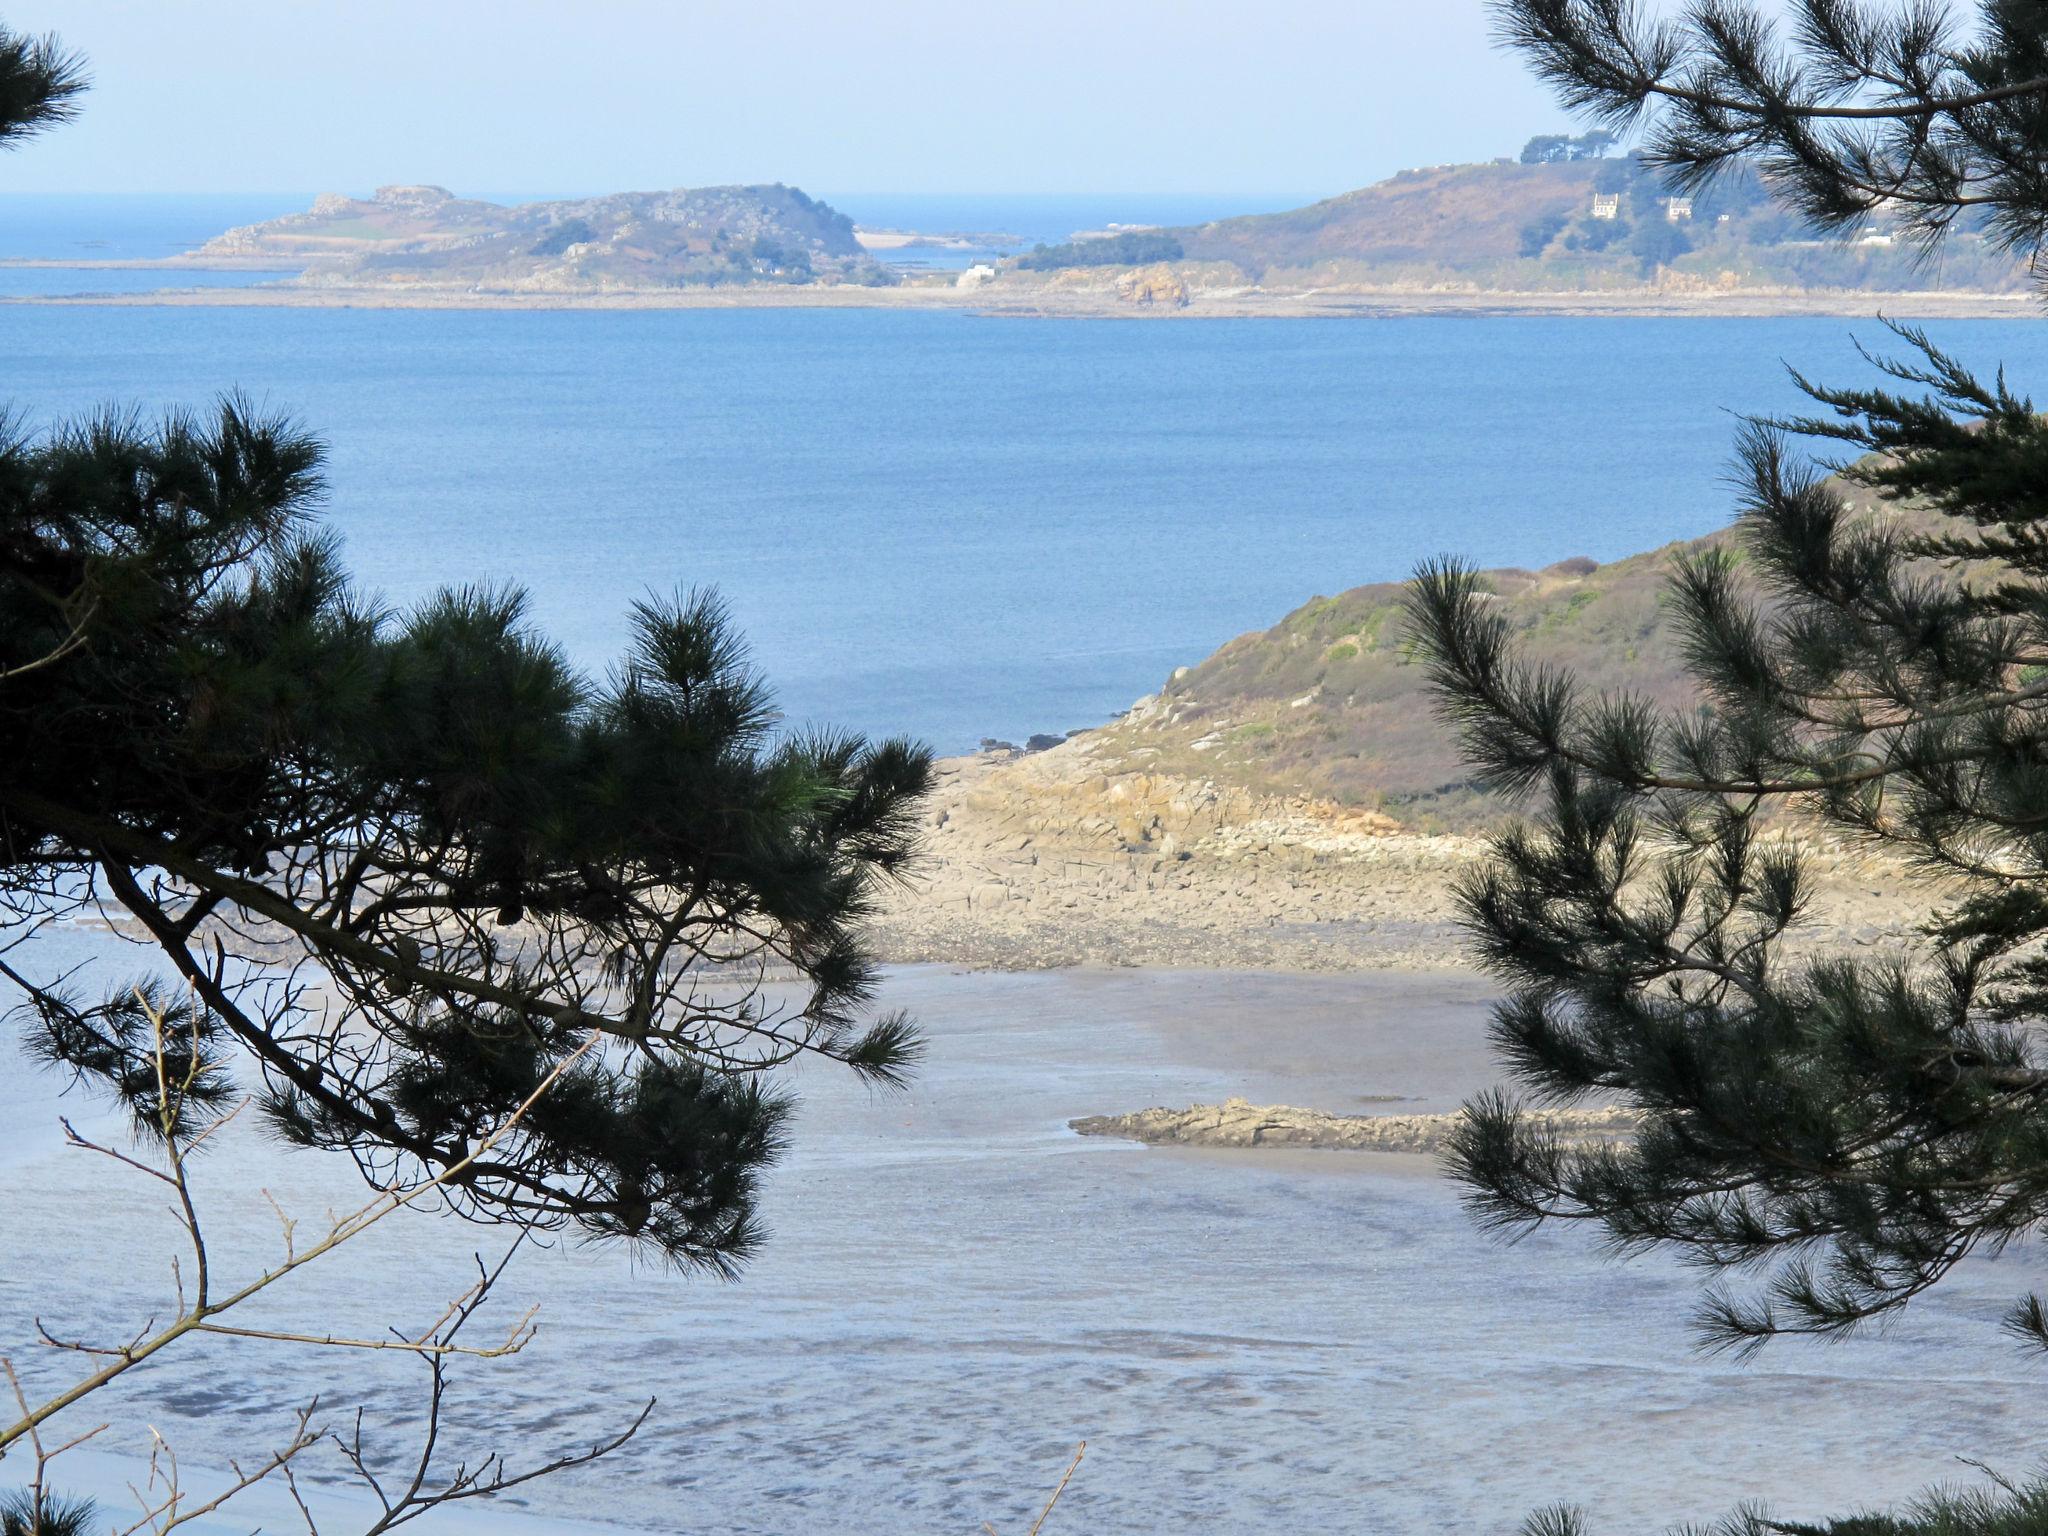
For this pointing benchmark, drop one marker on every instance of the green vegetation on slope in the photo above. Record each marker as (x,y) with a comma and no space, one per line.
(1132,248)
(1331,700)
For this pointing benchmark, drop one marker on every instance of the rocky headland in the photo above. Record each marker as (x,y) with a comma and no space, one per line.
(428,240)
(1291,802)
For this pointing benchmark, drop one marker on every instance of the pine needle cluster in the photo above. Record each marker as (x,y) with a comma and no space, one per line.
(1843,107)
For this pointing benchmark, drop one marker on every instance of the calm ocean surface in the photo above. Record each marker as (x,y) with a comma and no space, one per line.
(955,526)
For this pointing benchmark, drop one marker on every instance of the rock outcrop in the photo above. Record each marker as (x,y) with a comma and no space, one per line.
(1085,855)
(1236,1123)
(1158,284)
(1064,858)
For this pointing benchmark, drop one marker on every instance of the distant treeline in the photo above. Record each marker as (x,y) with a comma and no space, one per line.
(1133,249)
(1559,148)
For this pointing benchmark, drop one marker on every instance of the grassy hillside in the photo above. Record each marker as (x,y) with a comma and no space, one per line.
(1331,701)
(1464,216)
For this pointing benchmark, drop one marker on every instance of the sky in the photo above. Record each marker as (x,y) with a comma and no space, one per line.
(913,96)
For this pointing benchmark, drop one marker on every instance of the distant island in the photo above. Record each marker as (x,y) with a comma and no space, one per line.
(426,236)
(1566,229)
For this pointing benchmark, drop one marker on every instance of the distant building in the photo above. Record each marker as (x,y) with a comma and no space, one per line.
(975,276)
(1678,210)
(1607,206)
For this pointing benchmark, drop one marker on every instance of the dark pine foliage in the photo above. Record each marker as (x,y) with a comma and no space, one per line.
(31,1512)
(1826,1134)
(2009,1510)
(1847,1128)
(1842,106)
(408,863)
(40,84)
(405,866)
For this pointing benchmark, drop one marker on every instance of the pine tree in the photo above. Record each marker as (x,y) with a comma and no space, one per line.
(403,866)
(1829,1135)
(40,83)
(1844,108)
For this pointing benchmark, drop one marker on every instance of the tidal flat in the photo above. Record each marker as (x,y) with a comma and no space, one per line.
(958,1289)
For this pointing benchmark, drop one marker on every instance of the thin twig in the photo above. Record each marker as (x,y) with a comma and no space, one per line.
(1079,1451)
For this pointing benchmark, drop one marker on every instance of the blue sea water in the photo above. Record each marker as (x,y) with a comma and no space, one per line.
(102,282)
(137,226)
(1044,220)
(957,526)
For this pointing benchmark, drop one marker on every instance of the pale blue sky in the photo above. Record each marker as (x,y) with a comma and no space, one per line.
(839,96)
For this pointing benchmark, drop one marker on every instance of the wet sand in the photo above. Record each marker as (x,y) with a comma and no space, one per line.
(958,1289)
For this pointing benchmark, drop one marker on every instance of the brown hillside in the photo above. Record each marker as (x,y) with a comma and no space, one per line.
(1450,214)
(1332,703)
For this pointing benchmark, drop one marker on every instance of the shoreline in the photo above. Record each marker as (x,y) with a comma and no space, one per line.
(1048,302)
(1076,857)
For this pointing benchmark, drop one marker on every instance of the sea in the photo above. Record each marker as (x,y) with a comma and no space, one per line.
(949,526)
(956,527)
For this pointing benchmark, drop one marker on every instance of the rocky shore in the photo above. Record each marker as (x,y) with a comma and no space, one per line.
(1082,855)
(1235,1123)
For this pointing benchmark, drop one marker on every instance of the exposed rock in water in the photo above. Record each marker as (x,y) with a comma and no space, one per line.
(1235,1123)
